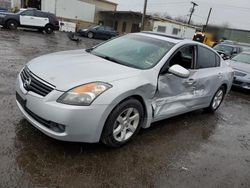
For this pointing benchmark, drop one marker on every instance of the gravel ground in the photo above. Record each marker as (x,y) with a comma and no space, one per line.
(192,150)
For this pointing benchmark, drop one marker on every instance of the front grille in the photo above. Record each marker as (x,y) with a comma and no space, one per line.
(35,84)
(237,73)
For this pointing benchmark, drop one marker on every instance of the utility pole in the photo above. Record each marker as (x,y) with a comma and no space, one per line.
(208,17)
(192,11)
(144,15)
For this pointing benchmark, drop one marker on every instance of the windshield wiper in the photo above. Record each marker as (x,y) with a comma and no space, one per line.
(90,49)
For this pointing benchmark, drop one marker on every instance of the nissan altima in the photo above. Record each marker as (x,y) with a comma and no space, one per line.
(109,92)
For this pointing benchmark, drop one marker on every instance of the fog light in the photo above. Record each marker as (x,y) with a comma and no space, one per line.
(57,127)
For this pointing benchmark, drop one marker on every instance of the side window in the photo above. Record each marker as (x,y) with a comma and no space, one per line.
(184,57)
(28,13)
(206,58)
(39,14)
(100,28)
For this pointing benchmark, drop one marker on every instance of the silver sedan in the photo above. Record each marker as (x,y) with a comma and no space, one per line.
(241,66)
(107,93)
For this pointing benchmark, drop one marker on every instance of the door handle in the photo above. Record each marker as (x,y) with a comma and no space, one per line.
(32,18)
(191,82)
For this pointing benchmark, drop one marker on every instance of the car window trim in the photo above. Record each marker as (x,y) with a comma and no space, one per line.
(217,65)
(174,53)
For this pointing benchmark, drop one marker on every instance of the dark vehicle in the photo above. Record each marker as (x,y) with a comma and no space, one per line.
(98,32)
(3,9)
(30,18)
(241,66)
(228,51)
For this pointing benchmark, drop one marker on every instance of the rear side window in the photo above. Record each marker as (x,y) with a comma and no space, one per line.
(206,58)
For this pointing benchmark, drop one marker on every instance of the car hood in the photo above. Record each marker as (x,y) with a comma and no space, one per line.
(240,66)
(69,69)
(7,13)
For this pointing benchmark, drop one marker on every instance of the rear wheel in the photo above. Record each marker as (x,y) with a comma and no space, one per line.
(90,35)
(123,123)
(12,24)
(49,29)
(217,99)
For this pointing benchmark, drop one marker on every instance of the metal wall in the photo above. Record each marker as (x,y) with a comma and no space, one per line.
(73,9)
(237,35)
(5,4)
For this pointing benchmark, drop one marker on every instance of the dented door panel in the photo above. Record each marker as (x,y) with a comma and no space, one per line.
(177,95)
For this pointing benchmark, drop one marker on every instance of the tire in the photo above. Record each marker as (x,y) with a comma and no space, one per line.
(90,35)
(12,24)
(123,123)
(217,100)
(49,29)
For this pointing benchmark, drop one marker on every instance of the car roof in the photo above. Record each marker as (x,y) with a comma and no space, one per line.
(161,36)
(229,45)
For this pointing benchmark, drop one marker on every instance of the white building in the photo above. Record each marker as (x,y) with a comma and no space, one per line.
(173,28)
(9,4)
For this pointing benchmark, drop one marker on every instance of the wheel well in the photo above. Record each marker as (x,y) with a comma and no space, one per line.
(48,24)
(140,99)
(11,20)
(225,86)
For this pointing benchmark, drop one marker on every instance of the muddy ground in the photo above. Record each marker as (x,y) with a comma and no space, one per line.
(192,150)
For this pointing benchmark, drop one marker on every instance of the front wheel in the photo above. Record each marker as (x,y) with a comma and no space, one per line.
(123,123)
(217,99)
(12,24)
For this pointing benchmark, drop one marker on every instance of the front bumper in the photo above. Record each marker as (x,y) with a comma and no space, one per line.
(241,82)
(82,123)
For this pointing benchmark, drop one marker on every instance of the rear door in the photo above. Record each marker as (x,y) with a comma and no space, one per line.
(208,76)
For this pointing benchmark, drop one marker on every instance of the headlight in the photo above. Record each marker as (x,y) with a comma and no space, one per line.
(84,95)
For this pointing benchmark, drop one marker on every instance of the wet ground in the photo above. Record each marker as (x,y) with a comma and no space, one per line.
(192,150)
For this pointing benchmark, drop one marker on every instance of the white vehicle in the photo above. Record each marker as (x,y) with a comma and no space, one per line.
(30,18)
(107,93)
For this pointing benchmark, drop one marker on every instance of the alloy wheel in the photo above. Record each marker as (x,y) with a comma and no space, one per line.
(218,99)
(126,124)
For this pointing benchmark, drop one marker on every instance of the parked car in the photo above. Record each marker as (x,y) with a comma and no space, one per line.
(107,93)
(30,18)
(230,42)
(227,51)
(98,32)
(241,66)
(3,9)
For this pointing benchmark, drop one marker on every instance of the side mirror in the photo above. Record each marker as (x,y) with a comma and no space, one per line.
(179,71)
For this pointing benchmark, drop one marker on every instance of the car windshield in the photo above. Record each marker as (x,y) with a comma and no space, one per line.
(243,58)
(224,48)
(134,50)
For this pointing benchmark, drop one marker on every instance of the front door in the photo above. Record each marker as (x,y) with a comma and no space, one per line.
(175,94)
(29,18)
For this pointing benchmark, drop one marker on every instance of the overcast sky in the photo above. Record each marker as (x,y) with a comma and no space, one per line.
(236,13)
